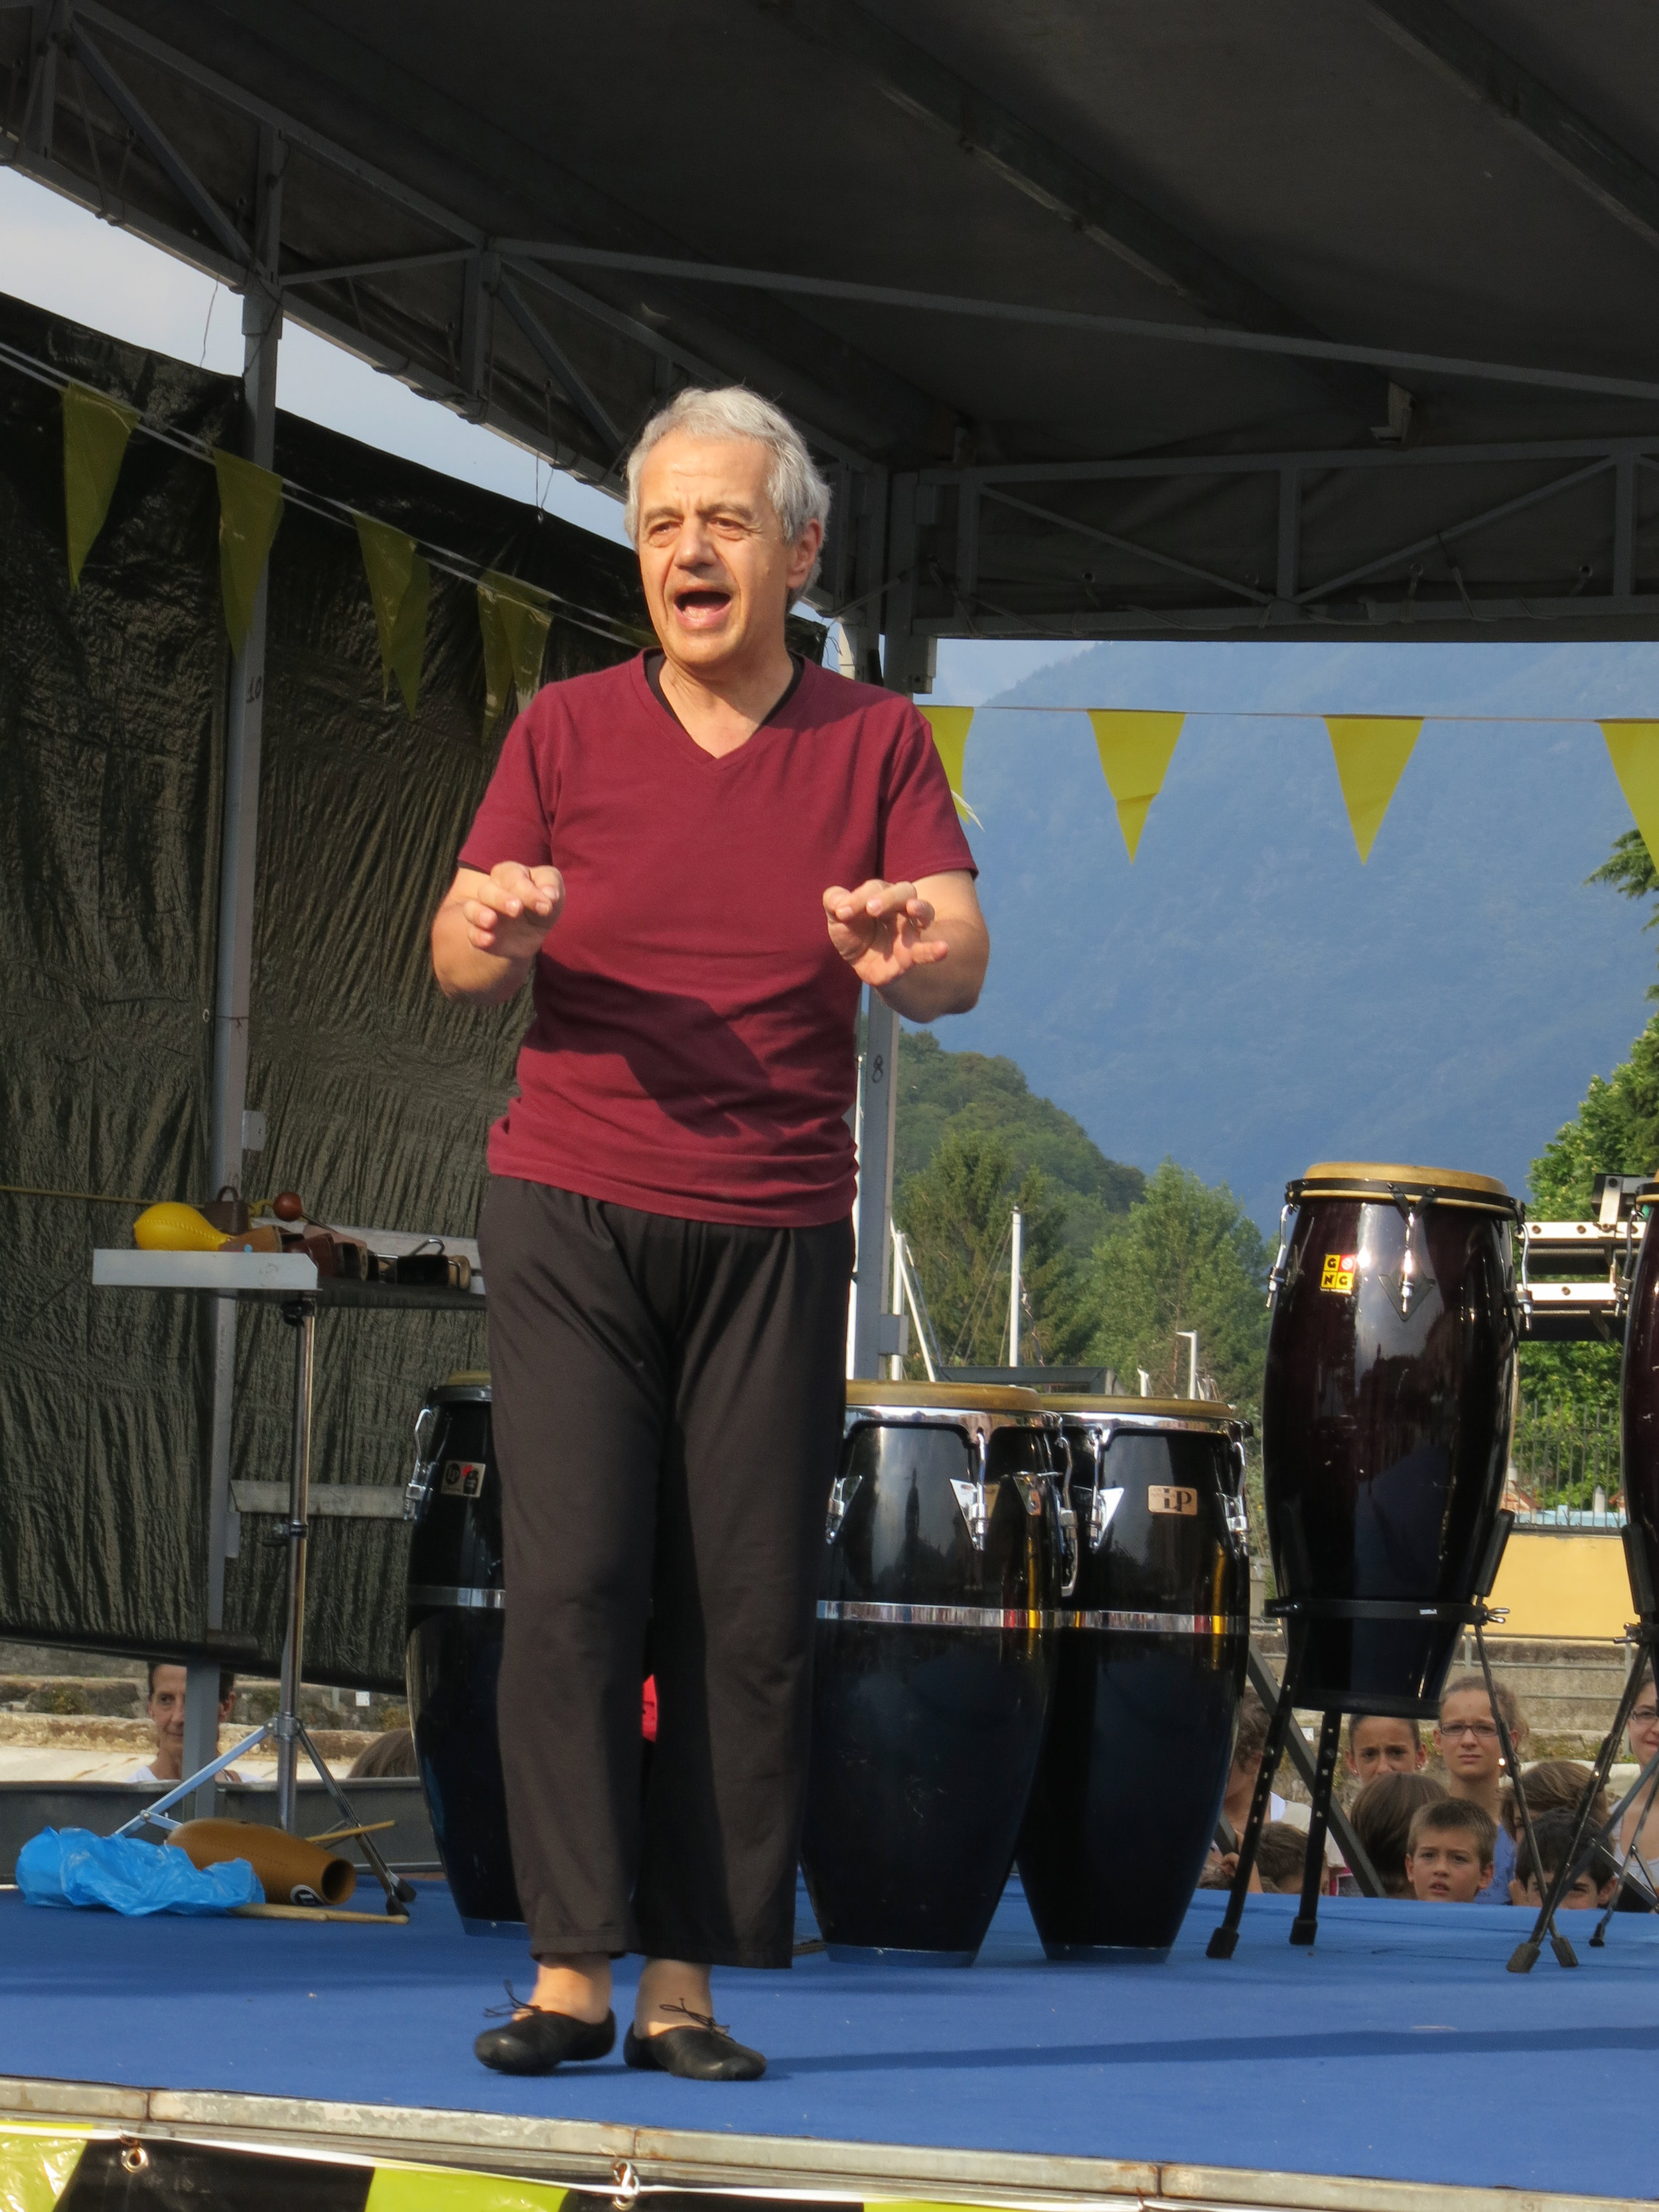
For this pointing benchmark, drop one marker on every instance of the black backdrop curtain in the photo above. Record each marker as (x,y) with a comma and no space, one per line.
(377,1093)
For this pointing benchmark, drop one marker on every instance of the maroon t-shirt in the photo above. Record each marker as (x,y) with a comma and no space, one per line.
(693,1050)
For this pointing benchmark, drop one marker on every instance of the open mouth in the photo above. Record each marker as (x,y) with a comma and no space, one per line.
(700,606)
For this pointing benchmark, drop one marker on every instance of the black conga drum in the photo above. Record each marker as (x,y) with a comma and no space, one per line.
(453,1659)
(935,1659)
(1386,1416)
(1152,1650)
(1639,1418)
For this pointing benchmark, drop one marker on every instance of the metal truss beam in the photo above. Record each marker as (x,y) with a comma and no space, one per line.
(155,141)
(760,361)
(1088,203)
(554,358)
(1035,316)
(1566,615)
(1643,450)
(1079,529)
(1574,146)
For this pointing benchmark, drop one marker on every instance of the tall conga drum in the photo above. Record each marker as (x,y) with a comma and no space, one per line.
(452,1656)
(943,1568)
(1639,1418)
(1387,1412)
(1152,1652)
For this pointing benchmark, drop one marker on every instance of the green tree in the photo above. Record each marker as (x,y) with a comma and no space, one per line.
(1629,869)
(1187,1257)
(941,1093)
(956,1211)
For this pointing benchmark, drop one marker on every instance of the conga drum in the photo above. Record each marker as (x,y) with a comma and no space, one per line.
(934,1662)
(1639,1418)
(1386,1411)
(1152,1650)
(453,1657)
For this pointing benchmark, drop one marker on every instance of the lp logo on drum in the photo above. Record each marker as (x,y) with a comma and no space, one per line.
(1337,1273)
(463,1478)
(1166,1497)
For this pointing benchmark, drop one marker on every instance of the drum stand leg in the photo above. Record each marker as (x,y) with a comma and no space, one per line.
(1525,1955)
(1599,1940)
(1565,1953)
(1223,1940)
(1305,1925)
(285,1724)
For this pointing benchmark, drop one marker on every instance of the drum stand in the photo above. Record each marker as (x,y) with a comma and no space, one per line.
(1298,1614)
(1644,1634)
(285,1724)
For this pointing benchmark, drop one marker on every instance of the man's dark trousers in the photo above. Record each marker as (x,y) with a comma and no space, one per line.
(668,1403)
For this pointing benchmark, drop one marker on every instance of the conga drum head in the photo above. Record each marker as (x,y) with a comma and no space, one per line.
(1152,1652)
(942,1573)
(1388,1405)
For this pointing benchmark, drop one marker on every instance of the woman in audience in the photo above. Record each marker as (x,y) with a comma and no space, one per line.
(1642,1737)
(1467,1740)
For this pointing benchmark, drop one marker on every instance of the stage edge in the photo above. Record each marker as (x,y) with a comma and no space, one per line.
(580,2154)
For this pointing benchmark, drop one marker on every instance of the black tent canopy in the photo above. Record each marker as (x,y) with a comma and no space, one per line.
(1320,316)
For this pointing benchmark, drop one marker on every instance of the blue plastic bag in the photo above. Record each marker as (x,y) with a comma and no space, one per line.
(71,1866)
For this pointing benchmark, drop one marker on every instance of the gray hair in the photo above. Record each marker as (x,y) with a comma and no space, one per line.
(798,492)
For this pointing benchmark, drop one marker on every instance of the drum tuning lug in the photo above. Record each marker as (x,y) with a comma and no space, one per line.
(842,1494)
(417,1493)
(1101,1507)
(626,2184)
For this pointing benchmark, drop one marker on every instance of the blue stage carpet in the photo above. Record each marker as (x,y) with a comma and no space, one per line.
(1398,2048)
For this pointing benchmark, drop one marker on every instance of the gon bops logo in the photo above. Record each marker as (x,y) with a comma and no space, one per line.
(1337,1272)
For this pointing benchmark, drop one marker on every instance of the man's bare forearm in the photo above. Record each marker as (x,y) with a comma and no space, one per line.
(463,973)
(945,987)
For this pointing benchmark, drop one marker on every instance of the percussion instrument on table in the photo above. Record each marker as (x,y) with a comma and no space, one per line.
(1152,1652)
(452,1658)
(1386,1411)
(949,1548)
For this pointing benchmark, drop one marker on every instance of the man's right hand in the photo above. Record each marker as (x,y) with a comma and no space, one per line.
(489,928)
(509,911)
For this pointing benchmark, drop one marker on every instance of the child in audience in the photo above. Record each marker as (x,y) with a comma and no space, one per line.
(1383,1815)
(1592,1888)
(1467,1740)
(1281,1858)
(1380,1744)
(1642,1737)
(1449,1853)
(1553,1785)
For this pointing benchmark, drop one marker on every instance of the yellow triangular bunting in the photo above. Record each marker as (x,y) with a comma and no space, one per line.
(249,508)
(1134,750)
(950,726)
(515,620)
(400,584)
(95,434)
(1633,749)
(1371,751)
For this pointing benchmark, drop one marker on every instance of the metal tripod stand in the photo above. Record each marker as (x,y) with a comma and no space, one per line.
(1298,1614)
(285,1726)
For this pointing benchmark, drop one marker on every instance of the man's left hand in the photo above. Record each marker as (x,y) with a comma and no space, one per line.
(879,930)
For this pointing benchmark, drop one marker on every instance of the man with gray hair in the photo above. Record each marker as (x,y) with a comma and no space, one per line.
(698,856)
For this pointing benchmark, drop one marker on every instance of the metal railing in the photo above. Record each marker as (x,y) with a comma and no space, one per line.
(1564,1454)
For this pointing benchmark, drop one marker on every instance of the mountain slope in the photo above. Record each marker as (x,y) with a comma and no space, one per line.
(940,1091)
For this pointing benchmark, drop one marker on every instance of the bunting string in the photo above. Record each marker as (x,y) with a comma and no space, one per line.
(1136,744)
(97,428)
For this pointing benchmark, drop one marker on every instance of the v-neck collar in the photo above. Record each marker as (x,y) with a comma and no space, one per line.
(649,666)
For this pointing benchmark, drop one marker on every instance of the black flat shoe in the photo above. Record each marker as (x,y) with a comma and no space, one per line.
(542,2040)
(703,2053)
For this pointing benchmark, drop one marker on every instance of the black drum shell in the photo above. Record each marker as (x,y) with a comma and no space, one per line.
(1639,1424)
(926,1737)
(453,1661)
(1386,1435)
(1141,1726)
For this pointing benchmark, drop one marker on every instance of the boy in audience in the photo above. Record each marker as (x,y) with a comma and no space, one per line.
(1449,1856)
(1383,1815)
(1591,1889)
(1281,1857)
(1467,1740)
(1380,1744)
